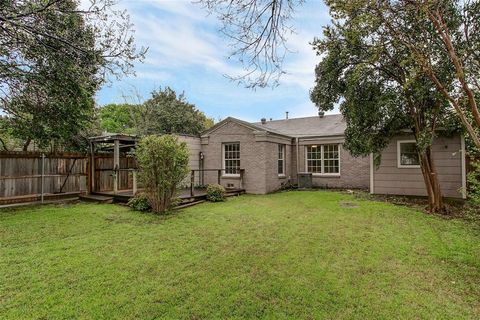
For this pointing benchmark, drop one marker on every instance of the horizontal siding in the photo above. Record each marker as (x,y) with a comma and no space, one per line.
(389,179)
(414,177)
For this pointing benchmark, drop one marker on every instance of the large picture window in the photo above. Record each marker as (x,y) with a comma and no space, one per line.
(231,158)
(281,160)
(407,154)
(323,159)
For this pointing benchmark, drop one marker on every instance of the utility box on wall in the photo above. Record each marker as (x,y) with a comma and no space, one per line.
(305,180)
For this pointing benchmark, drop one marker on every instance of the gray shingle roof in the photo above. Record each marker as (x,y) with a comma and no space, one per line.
(329,125)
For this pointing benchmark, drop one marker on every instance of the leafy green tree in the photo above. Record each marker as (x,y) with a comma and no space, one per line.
(163,163)
(54,56)
(380,89)
(443,39)
(119,118)
(167,112)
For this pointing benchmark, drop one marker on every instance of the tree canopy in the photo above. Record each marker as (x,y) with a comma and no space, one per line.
(164,113)
(54,56)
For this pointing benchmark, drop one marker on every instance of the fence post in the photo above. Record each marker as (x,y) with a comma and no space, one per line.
(192,181)
(134,182)
(42,178)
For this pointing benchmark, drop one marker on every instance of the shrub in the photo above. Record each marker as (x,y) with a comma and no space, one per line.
(163,163)
(140,202)
(474,184)
(215,193)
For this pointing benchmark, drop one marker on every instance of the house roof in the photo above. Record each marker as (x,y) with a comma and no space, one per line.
(250,125)
(329,125)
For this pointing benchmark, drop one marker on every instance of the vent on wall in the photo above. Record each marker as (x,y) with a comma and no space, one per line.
(230,185)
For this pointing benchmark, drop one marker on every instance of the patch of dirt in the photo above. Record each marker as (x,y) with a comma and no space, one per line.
(347,204)
(455,208)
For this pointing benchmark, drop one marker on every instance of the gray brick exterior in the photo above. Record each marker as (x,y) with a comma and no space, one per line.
(259,155)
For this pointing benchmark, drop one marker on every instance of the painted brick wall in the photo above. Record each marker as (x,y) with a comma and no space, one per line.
(252,156)
(354,171)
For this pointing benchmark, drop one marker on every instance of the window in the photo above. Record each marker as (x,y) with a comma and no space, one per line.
(323,159)
(231,158)
(407,154)
(281,159)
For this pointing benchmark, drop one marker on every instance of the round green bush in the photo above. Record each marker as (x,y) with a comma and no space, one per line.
(139,202)
(215,193)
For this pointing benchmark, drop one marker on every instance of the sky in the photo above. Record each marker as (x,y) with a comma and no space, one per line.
(188,53)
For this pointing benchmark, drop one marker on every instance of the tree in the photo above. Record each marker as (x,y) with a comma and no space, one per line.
(164,113)
(163,163)
(53,57)
(258,31)
(380,88)
(167,112)
(444,39)
(119,118)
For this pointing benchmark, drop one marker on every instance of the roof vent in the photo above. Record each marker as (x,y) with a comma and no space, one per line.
(286,115)
(264,120)
(321,114)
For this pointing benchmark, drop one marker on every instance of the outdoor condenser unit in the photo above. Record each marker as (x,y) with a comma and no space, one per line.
(304,180)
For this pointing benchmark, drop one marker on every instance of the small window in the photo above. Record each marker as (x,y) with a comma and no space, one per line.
(323,159)
(281,160)
(407,154)
(231,158)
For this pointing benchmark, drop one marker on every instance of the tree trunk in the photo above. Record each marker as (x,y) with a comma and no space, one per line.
(26,144)
(430,176)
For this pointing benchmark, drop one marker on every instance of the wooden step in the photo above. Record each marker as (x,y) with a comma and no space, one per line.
(188,204)
(96,198)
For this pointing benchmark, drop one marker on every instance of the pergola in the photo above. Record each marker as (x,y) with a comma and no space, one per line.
(117,142)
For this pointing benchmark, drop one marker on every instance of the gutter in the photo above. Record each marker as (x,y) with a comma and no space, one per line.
(298,148)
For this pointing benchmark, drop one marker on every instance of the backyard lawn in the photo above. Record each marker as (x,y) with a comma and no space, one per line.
(285,255)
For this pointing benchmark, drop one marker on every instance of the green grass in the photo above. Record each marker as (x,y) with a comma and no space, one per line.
(286,255)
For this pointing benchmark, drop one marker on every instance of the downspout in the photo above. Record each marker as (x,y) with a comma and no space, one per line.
(298,149)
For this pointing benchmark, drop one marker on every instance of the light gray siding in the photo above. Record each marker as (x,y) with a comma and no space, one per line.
(388,178)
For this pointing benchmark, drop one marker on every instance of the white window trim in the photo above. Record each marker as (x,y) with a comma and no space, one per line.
(284,147)
(399,162)
(229,175)
(322,174)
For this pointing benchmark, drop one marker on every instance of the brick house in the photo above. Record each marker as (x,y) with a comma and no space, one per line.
(269,154)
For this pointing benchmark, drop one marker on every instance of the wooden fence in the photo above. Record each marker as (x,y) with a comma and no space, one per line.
(64,175)
(22,174)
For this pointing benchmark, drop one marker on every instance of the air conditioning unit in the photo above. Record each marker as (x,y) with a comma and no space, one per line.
(305,180)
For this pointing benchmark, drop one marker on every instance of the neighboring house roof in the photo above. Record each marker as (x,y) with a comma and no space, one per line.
(329,125)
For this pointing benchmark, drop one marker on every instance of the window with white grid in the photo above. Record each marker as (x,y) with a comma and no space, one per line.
(314,159)
(231,158)
(323,159)
(281,159)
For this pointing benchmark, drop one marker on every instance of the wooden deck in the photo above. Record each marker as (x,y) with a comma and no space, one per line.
(122,196)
